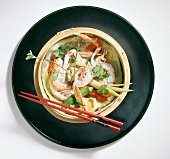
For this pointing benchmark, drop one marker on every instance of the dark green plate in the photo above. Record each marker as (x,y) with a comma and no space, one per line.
(130,111)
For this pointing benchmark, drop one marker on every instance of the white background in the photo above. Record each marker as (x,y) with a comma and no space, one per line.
(149,139)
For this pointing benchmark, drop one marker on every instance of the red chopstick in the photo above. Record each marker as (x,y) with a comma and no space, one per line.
(115,122)
(44,102)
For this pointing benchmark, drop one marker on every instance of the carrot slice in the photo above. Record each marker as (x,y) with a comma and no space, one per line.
(51,65)
(93,46)
(97,43)
(100,97)
(90,47)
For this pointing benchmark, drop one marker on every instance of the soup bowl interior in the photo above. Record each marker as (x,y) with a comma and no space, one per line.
(39,83)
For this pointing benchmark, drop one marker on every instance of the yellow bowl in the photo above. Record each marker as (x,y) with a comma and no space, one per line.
(70,32)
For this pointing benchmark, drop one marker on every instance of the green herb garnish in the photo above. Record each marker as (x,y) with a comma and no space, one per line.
(98,72)
(103,90)
(64,47)
(60,51)
(106,75)
(31,56)
(72,101)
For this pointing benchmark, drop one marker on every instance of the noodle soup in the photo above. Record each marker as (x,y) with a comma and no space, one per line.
(83,68)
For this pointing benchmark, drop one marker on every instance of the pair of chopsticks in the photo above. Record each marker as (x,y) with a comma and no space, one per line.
(88,116)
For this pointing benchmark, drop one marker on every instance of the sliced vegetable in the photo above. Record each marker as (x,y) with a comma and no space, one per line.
(81,64)
(85,91)
(120,89)
(51,65)
(72,99)
(100,97)
(103,90)
(97,43)
(118,85)
(97,85)
(90,47)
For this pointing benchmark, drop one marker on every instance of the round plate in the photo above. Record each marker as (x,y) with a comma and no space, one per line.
(130,111)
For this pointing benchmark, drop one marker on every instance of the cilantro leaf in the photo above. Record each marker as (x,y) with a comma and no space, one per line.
(103,90)
(98,72)
(58,53)
(77,104)
(106,75)
(64,47)
(72,101)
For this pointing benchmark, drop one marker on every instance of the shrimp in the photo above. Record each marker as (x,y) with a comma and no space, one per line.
(109,68)
(77,94)
(59,87)
(95,44)
(89,54)
(84,36)
(83,76)
(61,95)
(67,58)
(74,53)
(99,59)
(90,38)
(86,54)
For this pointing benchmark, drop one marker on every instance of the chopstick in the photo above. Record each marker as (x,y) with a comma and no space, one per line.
(115,122)
(46,102)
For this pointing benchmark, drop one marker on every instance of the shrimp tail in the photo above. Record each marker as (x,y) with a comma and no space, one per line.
(77,94)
